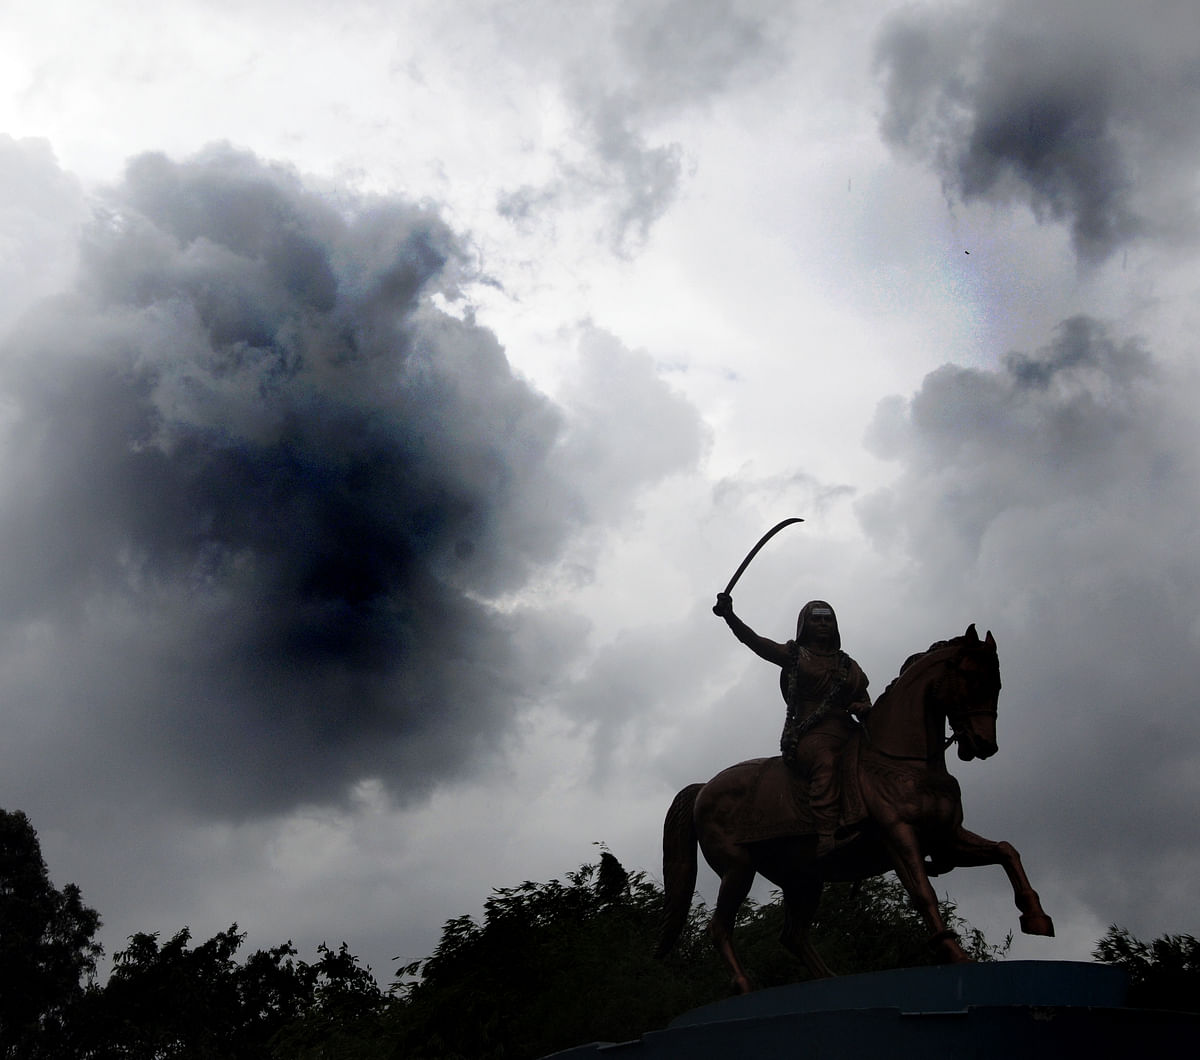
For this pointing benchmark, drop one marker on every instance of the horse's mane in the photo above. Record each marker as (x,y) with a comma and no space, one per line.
(921,654)
(917,656)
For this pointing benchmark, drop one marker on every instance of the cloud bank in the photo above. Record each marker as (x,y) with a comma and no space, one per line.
(261,497)
(1054,498)
(1077,109)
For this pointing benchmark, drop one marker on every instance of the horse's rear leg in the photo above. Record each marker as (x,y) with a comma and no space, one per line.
(800,900)
(735,885)
(969,849)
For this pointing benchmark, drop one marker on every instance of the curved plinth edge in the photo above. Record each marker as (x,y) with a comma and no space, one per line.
(942,988)
(1040,1008)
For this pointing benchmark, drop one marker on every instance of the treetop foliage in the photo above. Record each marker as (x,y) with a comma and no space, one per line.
(48,950)
(546,966)
(1163,974)
(570,961)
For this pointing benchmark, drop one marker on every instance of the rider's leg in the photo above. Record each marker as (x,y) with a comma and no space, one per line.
(821,753)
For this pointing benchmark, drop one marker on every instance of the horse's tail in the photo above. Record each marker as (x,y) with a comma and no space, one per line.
(679,867)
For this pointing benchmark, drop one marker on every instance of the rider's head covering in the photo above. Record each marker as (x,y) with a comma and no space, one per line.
(808,609)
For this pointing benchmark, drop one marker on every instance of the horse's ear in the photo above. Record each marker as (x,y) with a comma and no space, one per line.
(972,635)
(991,641)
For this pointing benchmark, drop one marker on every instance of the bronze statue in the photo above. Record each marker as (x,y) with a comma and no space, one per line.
(845,801)
(822,687)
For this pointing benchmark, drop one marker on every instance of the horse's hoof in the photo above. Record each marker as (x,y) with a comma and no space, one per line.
(1037,924)
(946,948)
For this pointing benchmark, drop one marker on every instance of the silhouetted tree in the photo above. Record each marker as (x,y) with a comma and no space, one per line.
(551,965)
(563,963)
(1163,974)
(170,1000)
(345,1016)
(47,946)
(548,966)
(867,926)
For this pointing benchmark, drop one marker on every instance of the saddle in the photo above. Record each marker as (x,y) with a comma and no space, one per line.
(776,805)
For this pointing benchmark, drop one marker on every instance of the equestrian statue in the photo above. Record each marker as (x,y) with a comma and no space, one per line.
(857,790)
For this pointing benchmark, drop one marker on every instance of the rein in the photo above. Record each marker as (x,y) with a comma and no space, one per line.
(948,741)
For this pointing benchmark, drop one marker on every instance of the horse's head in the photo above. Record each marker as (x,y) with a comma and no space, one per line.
(969,689)
(955,680)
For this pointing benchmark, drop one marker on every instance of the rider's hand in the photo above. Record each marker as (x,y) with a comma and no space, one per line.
(724,605)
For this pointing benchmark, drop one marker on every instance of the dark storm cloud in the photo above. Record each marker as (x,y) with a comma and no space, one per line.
(258,491)
(1080,109)
(1054,500)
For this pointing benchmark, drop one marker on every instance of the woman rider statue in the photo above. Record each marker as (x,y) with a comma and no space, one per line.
(822,687)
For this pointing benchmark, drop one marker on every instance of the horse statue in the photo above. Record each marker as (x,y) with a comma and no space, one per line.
(901,810)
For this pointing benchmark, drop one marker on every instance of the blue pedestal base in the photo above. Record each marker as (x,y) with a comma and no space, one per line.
(1015,1010)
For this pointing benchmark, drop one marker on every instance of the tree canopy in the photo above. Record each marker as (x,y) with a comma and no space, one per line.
(47,945)
(172,1000)
(1163,974)
(546,966)
(162,999)
(555,964)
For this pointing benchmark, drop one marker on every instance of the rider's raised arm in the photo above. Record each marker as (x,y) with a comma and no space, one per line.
(767,649)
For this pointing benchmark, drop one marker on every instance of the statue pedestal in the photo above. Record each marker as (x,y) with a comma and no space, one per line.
(1017,1010)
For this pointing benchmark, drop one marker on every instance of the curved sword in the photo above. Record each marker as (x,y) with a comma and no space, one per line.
(755,551)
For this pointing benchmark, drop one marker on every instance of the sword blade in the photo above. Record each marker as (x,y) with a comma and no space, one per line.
(758,548)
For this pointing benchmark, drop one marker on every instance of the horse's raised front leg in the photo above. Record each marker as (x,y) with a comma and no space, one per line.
(800,900)
(735,885)
(909,863)
(968,849)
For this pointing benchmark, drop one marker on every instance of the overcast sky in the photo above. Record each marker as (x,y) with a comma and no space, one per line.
(386,392)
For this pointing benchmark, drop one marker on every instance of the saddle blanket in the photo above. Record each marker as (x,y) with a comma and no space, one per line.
(777,800)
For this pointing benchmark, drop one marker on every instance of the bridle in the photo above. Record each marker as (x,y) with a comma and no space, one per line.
(962,715)
(956,719)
